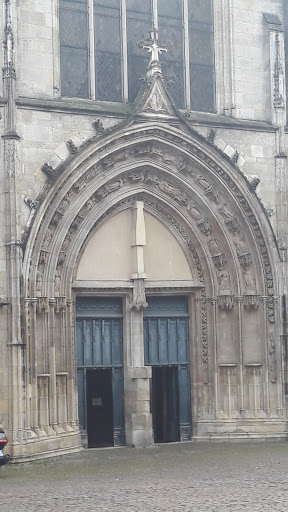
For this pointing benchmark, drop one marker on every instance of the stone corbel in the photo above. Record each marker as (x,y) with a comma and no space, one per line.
(204,227)
(52,174)
(219,261)
(43,256)
(42,304)
(226,301)
(232,225)
(60,304)
(251,301)
(139,296)
(4,302)
(245,259)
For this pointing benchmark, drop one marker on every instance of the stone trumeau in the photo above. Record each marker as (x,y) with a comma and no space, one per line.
(143,257)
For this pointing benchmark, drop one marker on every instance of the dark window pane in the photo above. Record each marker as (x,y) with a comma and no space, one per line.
(201,46)
(138,25)
(139,6)
(74,73)
(137,68)
(73,31)
(108,54)
(108,77)
(171,31)
(74,48)
(201,54)
(107,3)
(173,73)
(67,3)
(200,11)
(170,8)
(202,89)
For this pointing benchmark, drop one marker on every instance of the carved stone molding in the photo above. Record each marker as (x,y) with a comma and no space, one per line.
(205,353)
(59,304)
(211,136)
(226,301)
(219,261)
(73,150)
(8,44)
(251,301)
(43,257)
(157,150)
(139,297)
(272,360)
(245,260)
(52,174)
(42,304)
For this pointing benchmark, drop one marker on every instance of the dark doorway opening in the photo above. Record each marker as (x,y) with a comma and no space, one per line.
(99,407)
(165,404)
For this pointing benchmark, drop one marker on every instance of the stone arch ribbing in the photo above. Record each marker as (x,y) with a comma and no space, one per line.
(173,154)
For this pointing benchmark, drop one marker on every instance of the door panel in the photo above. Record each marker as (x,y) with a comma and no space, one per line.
(172,336)
(97,343)
(87,328)
(184,402)
(118,409)
(81,399)
(117,342)
(165,341)
(99,361)
(173,403)
(165,404)
(99,408)
(79,336)
(166,330)
(182,339)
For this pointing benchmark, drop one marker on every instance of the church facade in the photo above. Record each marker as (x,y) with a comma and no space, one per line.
(143,256)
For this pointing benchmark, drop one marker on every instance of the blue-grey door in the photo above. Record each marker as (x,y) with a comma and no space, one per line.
(166,349)
(100,347)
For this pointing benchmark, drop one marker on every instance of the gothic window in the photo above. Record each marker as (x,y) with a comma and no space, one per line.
(100,57)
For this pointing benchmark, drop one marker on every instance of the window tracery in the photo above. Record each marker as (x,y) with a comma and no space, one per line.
(100,57)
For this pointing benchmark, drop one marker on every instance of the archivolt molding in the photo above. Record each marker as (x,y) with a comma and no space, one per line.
(177,170)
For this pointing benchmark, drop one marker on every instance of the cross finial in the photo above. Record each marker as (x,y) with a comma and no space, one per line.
(155,48)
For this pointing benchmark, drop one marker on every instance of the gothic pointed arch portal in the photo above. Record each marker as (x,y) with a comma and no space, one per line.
(198,196)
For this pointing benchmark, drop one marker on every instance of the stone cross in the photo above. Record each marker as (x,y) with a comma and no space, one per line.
(155,48)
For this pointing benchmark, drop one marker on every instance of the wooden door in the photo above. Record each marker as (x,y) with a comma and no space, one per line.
(100,346)
(166,329)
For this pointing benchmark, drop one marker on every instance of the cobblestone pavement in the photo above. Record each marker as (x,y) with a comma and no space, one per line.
(194,477)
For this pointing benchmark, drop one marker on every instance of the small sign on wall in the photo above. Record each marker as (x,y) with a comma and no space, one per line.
(97,401)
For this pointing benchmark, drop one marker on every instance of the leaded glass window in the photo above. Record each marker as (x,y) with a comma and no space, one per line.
(100,57)
(74,48)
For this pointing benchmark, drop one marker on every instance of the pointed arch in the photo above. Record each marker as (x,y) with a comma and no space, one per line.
(186,173)
(206,203)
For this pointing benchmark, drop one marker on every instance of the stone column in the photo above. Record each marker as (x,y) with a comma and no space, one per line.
(137,388)
(278,118)
(13,238)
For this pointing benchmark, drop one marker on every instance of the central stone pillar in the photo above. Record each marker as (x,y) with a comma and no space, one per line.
(137,388)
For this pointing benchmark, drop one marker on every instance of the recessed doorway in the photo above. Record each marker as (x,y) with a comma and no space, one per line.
(166,349)
(165,404)
(99,407)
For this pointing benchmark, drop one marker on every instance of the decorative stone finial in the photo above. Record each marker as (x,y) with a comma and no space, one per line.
(155,48)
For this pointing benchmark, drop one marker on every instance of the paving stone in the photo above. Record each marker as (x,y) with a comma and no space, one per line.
(187,477)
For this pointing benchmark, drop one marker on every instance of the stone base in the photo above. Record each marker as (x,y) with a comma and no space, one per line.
(241,429)
(41,448)
(139,431)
